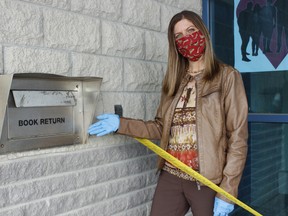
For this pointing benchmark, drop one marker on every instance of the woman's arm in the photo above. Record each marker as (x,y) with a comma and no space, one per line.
(144,129)
(141,129)
(236,111)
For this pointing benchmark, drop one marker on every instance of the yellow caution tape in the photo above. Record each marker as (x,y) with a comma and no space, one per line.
(177,163)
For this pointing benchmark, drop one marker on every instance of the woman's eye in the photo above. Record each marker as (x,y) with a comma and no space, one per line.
(190,30)
(178,36)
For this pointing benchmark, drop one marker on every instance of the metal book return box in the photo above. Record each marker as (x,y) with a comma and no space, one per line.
(45,110)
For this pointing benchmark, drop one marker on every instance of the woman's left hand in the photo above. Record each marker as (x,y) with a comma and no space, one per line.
(222,208)
(107,123)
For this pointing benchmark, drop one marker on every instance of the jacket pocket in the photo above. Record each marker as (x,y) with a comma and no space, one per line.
(212,117)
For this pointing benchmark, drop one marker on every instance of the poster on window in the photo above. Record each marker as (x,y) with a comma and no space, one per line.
(261,35)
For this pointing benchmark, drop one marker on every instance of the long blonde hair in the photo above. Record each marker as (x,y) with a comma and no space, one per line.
(177,64)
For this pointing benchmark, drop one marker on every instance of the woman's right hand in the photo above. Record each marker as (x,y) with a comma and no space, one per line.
(107,123)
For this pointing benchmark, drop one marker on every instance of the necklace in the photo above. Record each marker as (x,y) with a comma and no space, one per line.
(189,71)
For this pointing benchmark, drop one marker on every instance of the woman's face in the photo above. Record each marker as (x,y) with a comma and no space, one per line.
(184,27)
(189,41)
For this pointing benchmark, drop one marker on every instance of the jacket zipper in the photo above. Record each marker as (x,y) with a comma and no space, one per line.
(196,85)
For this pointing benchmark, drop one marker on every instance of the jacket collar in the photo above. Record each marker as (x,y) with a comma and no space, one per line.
(206,87)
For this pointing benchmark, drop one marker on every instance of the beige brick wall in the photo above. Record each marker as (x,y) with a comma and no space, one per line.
(123,41)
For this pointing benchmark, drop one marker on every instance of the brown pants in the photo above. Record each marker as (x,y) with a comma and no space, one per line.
(174,196)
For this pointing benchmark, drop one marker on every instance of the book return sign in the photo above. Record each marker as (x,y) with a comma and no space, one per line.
(38,121)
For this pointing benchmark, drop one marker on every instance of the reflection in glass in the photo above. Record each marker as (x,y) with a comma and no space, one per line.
(264,186)
(267,92)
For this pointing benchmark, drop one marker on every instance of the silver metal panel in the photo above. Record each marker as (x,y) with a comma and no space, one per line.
(91,99)
(5,84)
(31,122)
(44,98)
(18,145)
(45,84)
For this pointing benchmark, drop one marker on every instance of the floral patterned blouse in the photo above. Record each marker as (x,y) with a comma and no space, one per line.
(183,139)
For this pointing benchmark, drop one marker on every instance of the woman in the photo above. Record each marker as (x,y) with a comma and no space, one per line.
(201,120)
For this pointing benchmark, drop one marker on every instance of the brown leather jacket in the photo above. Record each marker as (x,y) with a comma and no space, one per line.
(222,131)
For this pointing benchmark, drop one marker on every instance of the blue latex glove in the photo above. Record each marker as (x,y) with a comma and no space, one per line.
(108,123)
(222,208)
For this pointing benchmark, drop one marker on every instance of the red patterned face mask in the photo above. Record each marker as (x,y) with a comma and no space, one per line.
(191,46)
